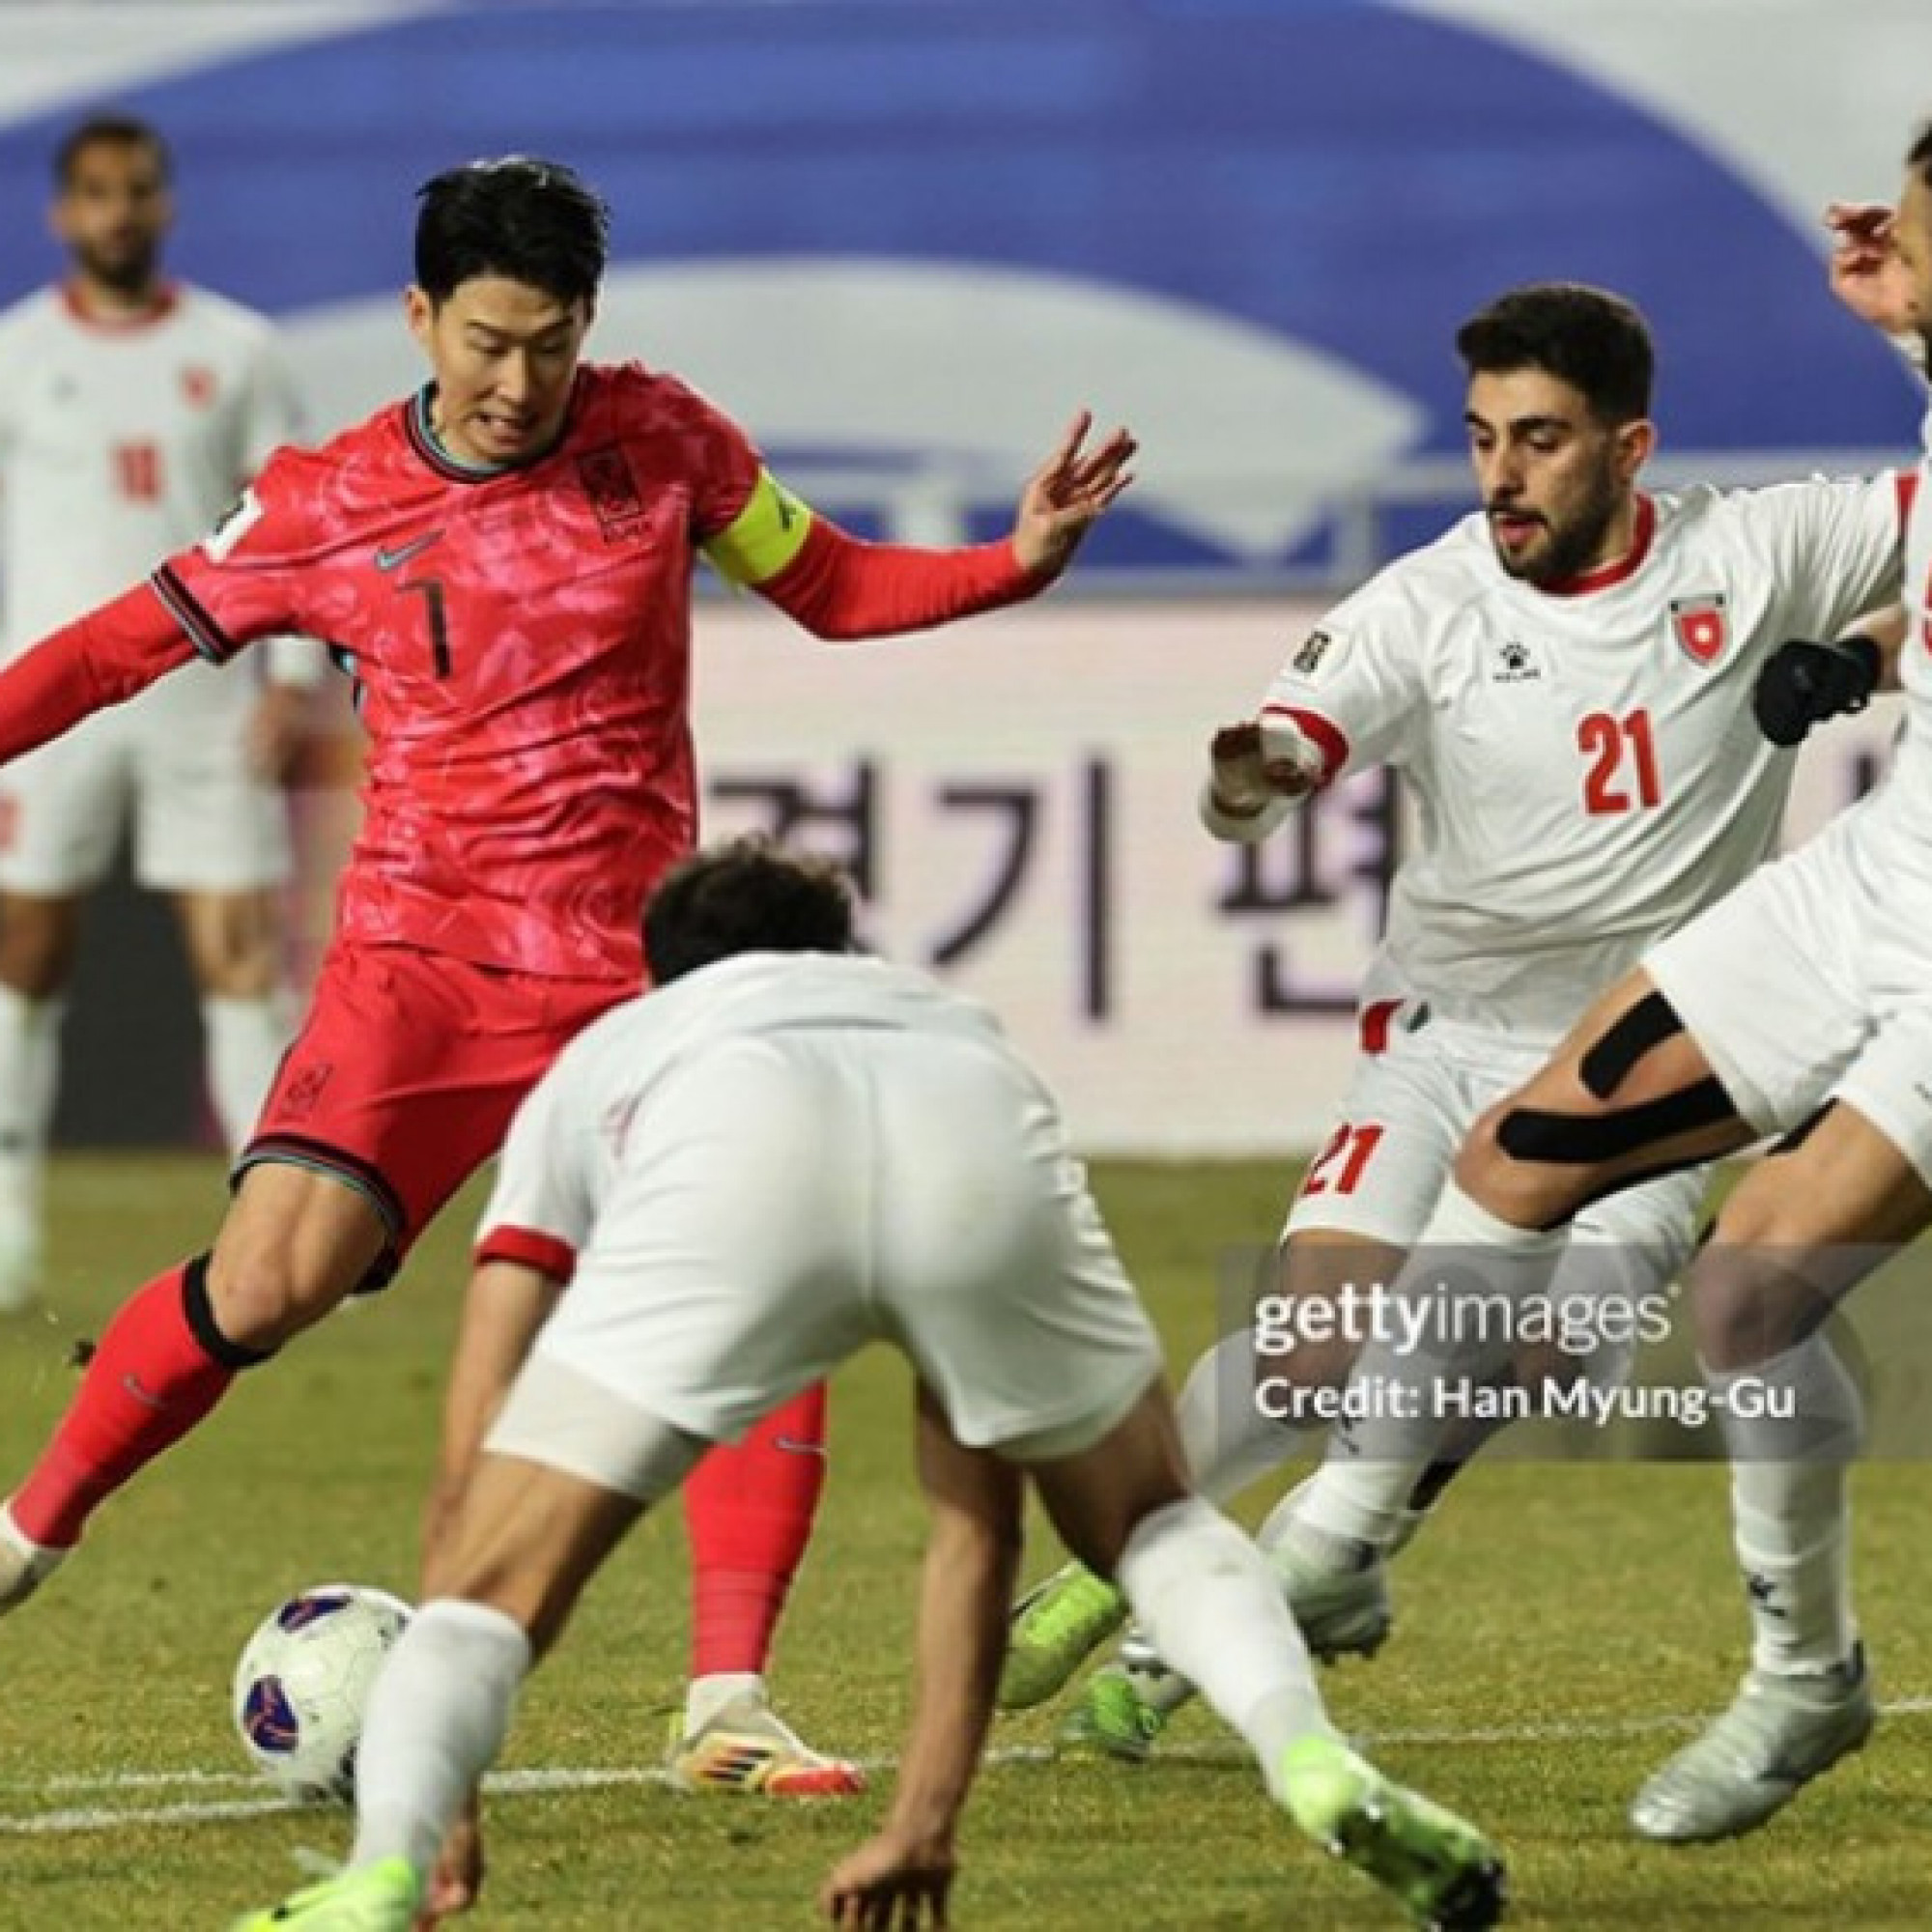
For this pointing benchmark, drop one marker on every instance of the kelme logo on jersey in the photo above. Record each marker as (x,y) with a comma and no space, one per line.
(1514,664)
(1700,627)
(1308,660)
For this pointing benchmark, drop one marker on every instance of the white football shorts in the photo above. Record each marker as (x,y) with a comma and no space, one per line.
(1406,1112)
(787,1198)
(199,818)
(1812,982)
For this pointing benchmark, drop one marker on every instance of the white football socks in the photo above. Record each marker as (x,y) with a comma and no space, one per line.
(436,1719)
(29,1074)
(1228,1441)
(1214,1612)
(705,1697)
(1359,1496)
(1791,1502)
(245,1041)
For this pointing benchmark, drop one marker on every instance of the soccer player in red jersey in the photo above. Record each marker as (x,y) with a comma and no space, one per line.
(504,565)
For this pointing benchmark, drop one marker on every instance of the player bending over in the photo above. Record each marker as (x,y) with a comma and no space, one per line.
(718,1194)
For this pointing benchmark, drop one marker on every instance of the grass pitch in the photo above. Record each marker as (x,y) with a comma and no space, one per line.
(1563,1627)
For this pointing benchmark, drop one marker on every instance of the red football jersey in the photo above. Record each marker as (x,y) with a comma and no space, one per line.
(520,643)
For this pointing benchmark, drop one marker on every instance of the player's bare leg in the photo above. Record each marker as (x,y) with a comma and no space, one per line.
(235,951)
(294,1244)
(1792,1240)
(38,938)
(1627,1096)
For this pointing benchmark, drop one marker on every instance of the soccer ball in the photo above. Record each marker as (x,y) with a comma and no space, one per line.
(303,1682)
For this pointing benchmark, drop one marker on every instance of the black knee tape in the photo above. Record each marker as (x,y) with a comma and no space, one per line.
(199,1309)
(1802,1132)
(1584,1139)
(1647,1024)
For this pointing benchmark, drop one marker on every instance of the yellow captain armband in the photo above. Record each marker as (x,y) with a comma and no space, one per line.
(763,537)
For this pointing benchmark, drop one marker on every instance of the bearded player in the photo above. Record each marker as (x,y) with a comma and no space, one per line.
(1566,683)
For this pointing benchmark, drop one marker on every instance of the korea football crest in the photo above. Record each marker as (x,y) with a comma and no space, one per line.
(1701,627)
(613,491)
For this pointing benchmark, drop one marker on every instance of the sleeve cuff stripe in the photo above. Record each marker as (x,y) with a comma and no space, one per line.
(1323,733)
(201,631)
(528,1248)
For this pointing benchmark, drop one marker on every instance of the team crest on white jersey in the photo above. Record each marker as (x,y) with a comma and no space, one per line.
(1515,663)
(1701,625)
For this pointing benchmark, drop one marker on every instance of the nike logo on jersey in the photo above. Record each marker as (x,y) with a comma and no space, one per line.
(388,558)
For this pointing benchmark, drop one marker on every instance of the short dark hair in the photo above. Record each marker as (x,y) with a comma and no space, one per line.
(108,130)
(1595,341)
(529,220)
(1919,155)
(750,896)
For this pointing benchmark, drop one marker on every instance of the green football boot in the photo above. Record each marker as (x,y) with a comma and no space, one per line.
(367,1898)
(1122,1711)
(1440,1869)
(1056,1626)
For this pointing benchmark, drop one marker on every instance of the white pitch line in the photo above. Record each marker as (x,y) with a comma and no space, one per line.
(539,1778)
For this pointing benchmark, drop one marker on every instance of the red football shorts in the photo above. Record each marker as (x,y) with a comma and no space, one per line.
(407,1070)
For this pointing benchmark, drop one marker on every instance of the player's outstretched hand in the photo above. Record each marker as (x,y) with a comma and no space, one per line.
(1247,776)
(1803,682)
(1067,494)
(1867,274)
(893,1881)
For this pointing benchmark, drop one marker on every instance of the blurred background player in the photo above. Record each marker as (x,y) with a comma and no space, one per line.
(504,561)
(132,409)
(1564,682)
(783,1155)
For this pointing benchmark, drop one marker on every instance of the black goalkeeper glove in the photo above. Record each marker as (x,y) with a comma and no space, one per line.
(1802,682)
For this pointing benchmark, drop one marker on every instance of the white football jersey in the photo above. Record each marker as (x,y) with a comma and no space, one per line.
(566,1144)
(121,443)
(1901,808)
(1585,766)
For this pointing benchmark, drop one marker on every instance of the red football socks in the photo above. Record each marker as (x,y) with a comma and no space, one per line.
(748,1510)
(152,1378)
